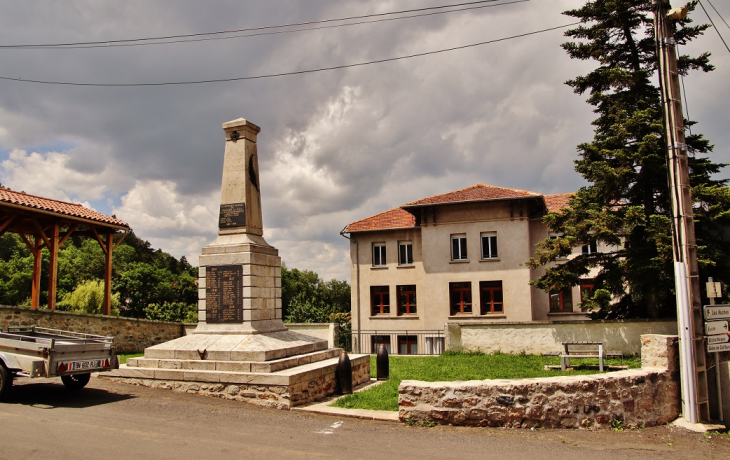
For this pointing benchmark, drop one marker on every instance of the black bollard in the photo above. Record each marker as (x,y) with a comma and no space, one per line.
(344,374)
(382,363)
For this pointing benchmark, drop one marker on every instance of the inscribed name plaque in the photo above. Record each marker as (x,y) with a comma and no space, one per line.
(232,215)
(224,294)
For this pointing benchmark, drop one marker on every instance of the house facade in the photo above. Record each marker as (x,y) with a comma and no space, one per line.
(459,256)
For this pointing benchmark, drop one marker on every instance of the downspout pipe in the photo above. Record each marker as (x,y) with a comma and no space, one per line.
(357,278)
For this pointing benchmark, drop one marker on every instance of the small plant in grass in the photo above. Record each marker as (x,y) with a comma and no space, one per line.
(617,425)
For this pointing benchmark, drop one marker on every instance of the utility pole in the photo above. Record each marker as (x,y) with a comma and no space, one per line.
(695,400)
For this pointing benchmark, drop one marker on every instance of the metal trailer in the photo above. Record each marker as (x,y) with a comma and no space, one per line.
(42,352)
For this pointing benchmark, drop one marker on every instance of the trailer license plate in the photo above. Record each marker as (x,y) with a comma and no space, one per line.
(79,365)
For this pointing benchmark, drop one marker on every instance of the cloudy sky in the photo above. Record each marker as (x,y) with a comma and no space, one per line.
(335,146)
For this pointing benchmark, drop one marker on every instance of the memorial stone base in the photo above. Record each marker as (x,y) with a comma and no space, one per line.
(246,353)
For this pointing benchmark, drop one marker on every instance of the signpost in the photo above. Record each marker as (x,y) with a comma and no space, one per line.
(717,347)
(716,327)
(717,312)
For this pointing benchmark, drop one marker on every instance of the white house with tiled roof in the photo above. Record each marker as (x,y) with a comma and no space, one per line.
(459,256)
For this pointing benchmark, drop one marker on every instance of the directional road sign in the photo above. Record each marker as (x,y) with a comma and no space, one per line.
(718,338)
(716,327)
(715,347)
(717,312)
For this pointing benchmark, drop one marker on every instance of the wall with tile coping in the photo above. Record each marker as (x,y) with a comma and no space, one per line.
(648,396)
(130,335)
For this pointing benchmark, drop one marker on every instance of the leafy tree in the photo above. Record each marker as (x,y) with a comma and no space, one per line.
(627,203)
(172,311)
(88,297)
(306,298)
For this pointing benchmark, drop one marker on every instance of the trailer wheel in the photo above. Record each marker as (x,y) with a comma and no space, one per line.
(6,381)
(76,381)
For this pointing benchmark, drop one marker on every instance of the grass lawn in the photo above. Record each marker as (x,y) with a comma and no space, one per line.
(460,366)
(123,358)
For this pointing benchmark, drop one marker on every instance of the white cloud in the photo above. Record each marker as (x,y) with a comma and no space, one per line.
(50,175)
(179,224)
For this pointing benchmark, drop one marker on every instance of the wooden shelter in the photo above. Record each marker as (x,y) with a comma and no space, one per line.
(47,223)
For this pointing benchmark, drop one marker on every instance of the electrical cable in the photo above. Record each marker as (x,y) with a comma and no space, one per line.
(718,14)
(107,43)
(257,34)
(284,74)
(715,27)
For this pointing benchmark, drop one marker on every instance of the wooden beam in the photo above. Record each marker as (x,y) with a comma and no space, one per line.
(124,235)
(107,307)
(41,232)
(68,234)
(53,266)
(7,222)
(100,240)
(35,294)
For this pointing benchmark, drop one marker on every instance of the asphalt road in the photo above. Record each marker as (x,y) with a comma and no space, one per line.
(107,420)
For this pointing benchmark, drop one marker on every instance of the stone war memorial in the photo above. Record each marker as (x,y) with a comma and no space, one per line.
(241,348)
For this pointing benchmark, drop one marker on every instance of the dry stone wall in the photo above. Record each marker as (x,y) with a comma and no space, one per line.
(130,335)
(638,397)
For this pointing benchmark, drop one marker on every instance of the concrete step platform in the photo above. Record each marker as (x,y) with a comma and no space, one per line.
(233,366)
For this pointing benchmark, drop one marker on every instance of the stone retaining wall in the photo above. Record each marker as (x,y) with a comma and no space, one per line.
(312,387)
(130,335)
(539,337)
(648,396)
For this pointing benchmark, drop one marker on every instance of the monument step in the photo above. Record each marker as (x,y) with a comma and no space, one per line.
(233,366)
(285,377)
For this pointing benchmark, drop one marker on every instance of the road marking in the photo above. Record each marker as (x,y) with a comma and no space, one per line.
(331,429)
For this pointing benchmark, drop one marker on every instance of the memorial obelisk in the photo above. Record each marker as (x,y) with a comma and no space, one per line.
(240,348)
(240,273)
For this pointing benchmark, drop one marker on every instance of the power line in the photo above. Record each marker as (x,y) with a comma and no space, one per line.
(718,14)
(192,37)
(284,74)
(714,26)
(257,34)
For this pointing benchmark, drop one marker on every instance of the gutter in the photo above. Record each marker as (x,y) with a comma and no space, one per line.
(357,276)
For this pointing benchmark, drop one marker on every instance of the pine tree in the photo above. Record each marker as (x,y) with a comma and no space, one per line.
(627,203)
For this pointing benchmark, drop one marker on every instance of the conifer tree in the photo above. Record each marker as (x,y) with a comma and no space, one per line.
(626,204)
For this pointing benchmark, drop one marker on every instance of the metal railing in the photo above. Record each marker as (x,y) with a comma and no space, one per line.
(399,342)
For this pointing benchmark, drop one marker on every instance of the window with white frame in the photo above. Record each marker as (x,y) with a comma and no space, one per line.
(489,245)
(590,248)
(458,247)
(378,254)
(405,253)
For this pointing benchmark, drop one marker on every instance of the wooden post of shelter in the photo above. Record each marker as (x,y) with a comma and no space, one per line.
(53,265)
(35,293)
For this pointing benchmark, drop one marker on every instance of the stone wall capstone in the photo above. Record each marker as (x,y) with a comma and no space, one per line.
(130,335)
(638,397)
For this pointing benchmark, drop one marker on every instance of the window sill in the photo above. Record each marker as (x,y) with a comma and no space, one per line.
(493,259)
(460,261)
(407,266)
(470,316)
(394,317)
(379,267)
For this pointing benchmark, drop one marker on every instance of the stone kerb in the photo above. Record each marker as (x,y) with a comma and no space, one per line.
(639,397)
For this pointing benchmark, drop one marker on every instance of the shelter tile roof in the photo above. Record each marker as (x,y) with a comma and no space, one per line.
(479,192)
(556,202)
(389,220)
(55,206)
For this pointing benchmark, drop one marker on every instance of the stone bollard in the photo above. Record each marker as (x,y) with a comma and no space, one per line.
(382,364)
(344,374)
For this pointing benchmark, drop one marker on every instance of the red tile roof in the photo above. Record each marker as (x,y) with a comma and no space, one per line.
(388,220)
(479,192)
(55,206)
(557,202)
